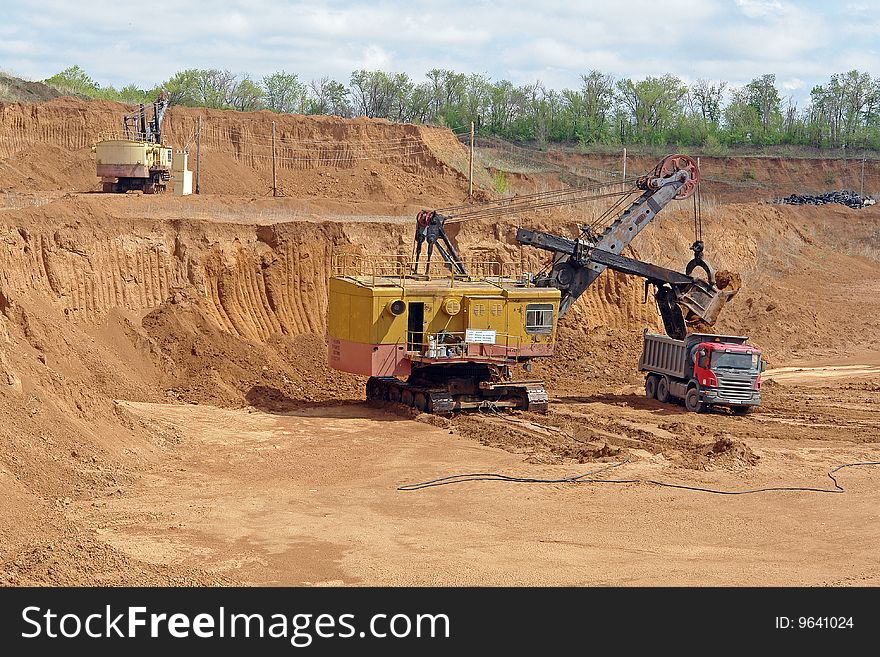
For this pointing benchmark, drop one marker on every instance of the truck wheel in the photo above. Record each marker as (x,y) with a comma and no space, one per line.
(663,390)
(692,401)
(651,386)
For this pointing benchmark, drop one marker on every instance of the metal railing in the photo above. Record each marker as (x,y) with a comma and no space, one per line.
(451,345)
(118,135)
(400,268)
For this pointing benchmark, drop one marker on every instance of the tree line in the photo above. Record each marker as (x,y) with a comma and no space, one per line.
(843,112)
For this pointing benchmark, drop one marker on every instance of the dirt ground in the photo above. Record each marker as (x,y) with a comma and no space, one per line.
(255,499)
(167,415)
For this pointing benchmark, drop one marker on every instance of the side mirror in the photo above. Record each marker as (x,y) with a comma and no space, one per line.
(763,364)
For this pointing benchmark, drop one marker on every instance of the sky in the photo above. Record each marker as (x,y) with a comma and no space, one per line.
(552,41)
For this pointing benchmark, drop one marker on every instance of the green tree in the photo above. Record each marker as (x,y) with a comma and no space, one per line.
(762,95)
(247,96)
(501,107)
(399,90)
(73,80)
(182,87)
(652,105)
(707,98)
(598,94)
(370,93)
(444,97)
(216,88)
(475,101)
(131,93)
(283,92)
(327,96)
(742,124)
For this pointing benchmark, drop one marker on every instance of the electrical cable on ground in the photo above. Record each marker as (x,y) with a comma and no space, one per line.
(582,479)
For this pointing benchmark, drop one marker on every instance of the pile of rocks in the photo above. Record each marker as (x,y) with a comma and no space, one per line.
(845,197)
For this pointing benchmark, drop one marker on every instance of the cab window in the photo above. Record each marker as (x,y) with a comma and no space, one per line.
(539,318)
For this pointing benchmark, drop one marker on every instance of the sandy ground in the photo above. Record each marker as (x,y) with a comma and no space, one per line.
(252,496)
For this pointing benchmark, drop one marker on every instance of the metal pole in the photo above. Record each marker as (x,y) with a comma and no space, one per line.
(471,165)
(199,155)
(274,177)
(623,180)
(862,185)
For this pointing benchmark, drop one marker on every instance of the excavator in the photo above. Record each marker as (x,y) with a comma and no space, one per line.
(448,342)
(136,159)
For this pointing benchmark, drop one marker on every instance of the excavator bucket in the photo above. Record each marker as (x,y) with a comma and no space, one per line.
(702,301)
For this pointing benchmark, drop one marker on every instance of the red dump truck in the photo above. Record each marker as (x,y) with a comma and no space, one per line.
(703,370)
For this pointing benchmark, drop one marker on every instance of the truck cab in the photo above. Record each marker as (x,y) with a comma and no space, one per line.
(703,370)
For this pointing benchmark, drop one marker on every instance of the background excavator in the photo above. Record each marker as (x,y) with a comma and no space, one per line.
(136,158)
(456,336)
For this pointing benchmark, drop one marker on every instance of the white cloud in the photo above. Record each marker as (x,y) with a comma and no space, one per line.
(232,24)
(762,8)
(375,57)
(554,41)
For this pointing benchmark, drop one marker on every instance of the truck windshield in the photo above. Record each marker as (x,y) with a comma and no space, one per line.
(737,361)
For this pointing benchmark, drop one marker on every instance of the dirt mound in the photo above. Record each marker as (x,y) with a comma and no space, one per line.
(16,90)
(64,443)
(202,363)
(567,435)
(44,167)
(591,454)
(728,451)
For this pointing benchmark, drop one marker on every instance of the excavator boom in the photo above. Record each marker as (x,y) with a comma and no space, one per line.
(580,261)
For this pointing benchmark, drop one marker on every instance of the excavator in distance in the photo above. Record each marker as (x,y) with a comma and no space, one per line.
(136,158)
(456,337)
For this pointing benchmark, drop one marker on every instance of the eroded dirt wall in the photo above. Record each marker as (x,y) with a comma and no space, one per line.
(48,146)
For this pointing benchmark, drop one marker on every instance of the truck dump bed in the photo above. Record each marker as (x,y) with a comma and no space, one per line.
(664,355)
(669,356)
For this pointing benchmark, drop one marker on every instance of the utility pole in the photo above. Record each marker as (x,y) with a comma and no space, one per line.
(199,155)
(274,177)
(471,165)
(862,185)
